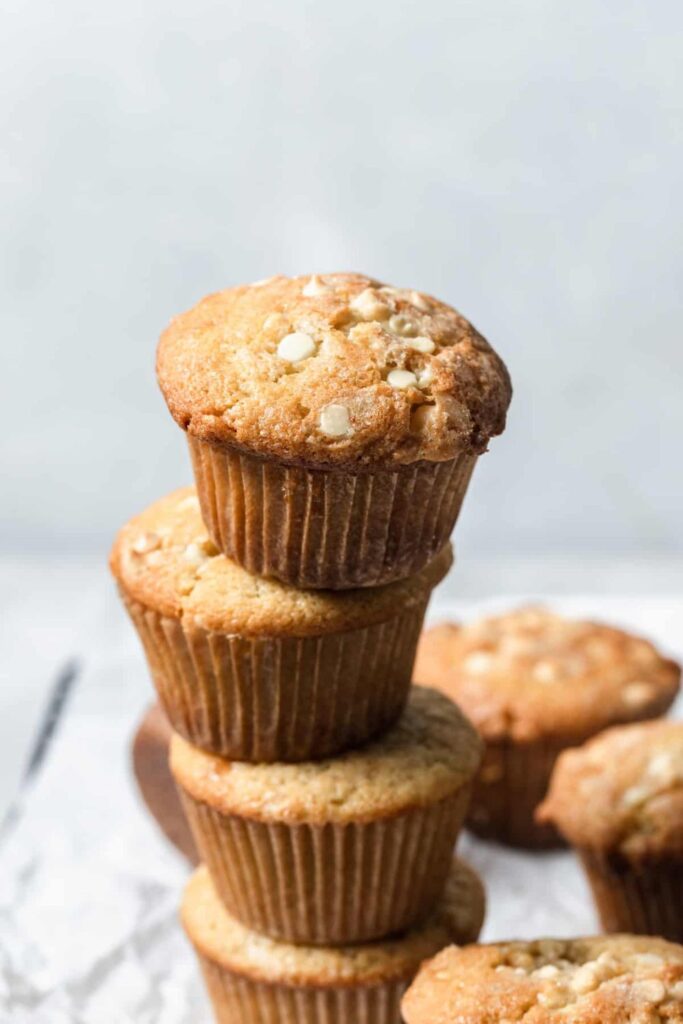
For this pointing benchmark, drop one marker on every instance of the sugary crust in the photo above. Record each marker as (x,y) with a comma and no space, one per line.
(223,940)
(532,675)
(620,979)
(164,559)
(622,791)
(429,754)
(225,380)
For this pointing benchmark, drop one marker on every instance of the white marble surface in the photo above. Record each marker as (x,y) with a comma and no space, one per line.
(88,930)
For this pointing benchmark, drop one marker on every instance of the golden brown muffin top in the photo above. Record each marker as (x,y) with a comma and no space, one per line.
(333,369)
(622,790)
(531,673)
(164,559)
(426,756)
(617,979)
(223,940)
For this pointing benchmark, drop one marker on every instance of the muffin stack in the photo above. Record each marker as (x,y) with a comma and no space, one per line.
(333,425)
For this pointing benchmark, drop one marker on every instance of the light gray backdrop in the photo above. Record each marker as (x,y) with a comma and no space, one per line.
(522,160)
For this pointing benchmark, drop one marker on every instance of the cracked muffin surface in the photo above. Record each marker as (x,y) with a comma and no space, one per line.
(165,559)
(619,979)
(333,369)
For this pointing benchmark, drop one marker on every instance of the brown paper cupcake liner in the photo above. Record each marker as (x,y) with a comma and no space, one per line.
(329,884)
(645,898)
(327,529)
(240,1000)
(512,782)
(280,698)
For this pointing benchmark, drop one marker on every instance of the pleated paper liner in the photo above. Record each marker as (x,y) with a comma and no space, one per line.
(323,528)
(329,884)
(241,1000)
(644,897)
(280,698)
(253,980)
(512,782)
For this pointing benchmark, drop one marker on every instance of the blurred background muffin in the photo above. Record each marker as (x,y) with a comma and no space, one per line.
(534,683)
(619,801)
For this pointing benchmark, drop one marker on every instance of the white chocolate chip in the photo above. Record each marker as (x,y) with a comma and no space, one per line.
(264,281)
(368,305)
(419,300)
(425,377)
(546,671)
(649,989)
(585,979)
(401,379)
(637,694)
(335,422)
(635,796)
(478,663)
(399,324)
(676,990)
(421,344)
(315,286)
(145,543)
(295,347)
(198,551)
(547,971)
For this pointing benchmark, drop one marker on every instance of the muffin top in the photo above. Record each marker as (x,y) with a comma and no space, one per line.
(427,755)
(622,790)
(332,369)
(617,979)
(457,918)
(531,674)
(164,559)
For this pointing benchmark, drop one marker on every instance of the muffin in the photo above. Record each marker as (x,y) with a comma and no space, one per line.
(336,851)
(534,683)
(622,979)
(619,801)
(149,756)
(252,978)
(333,423)
(251,669)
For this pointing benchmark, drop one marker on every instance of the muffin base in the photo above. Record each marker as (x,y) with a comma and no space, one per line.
(329,884)
(512,782)
(240,1000)
(327,529)
(280,698)
(644,898)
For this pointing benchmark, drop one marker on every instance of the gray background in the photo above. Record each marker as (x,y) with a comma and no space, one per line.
(521,160)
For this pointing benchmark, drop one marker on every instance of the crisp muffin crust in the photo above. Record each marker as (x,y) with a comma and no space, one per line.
(430,753)
(531,674)
(620,979)
(333,370)
(164,559)
(222,939)
(622,791)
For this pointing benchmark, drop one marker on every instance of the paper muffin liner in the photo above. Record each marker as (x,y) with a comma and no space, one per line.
(512,782)
(644,897)
(280,698)
(328,529)
(329,884)
(238,999)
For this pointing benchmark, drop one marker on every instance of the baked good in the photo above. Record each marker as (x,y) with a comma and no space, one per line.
(341,850)
(534,683)
(333,423)
(255,670)
(619,979)
(149,755)
(252,978)
(619,801)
